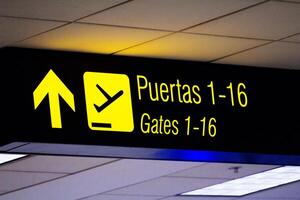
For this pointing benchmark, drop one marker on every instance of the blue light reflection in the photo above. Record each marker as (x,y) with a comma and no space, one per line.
(232,157)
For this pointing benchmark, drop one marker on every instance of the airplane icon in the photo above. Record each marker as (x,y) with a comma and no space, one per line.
(108,102)
(110,99)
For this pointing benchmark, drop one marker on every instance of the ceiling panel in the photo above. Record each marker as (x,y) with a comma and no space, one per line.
(122,197)
(54,9)
(275,55)
(266,198)
(130,179)
(191,47)
(272,20)
(62,164)
(1,192)
(90,38)
(286,192)
(295,38)
(168,14)
(12,145)
(199,198)
(13,30)
(167,186)
(223,170)
(100,179)
(88,150)
(12,180)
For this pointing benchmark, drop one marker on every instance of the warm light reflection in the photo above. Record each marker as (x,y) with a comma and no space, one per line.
(91,38)
(191,47)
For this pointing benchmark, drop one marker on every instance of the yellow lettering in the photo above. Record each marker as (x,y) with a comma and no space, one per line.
(145,126)
(187,95)
(168,92)
(196,92)
(156,98)
(158,125)
(178,85)
(164,92)
(140,87)
(155,126)
(175,130)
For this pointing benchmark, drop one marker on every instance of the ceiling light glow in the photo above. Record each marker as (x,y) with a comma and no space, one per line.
(9,157)
(250,184)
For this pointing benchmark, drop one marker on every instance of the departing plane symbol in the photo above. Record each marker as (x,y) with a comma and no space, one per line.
(108,102)
(110,99)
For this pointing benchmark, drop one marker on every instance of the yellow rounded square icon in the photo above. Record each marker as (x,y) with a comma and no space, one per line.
(108,102)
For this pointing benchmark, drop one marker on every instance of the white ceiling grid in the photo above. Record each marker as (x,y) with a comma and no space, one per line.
(88,178)
(271,20)
(54,9)
(231,31)
(277,54)
(99,179)
(169,15)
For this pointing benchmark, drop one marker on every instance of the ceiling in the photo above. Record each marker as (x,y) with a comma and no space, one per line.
(63,177)
(242,32)
(89,178)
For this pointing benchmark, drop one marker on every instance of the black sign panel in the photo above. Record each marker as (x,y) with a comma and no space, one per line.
(75,98)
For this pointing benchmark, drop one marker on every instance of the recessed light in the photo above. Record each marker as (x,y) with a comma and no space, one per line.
(250,184)
(9,157)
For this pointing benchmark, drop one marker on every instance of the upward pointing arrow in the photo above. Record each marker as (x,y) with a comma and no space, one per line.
(52,86)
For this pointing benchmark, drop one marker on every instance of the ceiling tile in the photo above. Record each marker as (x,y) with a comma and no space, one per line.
(266,198)
(13,30)
(90,38)
(60,164)
(167,14)
(295,38)
(123,197)
(100,179)
(191,47)
(167,186)
(12,145)
(287,191)
(199,198)
(223,170)
(297,1)
(15,180)
(271,20)
(53,9)
(1,192)
(275,55)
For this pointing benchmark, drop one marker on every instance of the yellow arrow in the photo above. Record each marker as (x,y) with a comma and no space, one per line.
(52,86)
